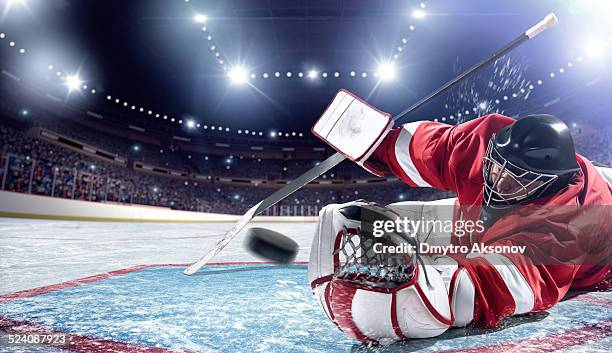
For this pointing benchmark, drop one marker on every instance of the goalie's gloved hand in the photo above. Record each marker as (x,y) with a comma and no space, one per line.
(354,128)
(370,295)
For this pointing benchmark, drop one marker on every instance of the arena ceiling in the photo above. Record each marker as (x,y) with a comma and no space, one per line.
(155,55)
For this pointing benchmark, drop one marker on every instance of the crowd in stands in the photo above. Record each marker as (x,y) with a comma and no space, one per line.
(168,156)
(596,147)
(31,165)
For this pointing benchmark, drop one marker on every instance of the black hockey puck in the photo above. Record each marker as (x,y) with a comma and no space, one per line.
(271,245)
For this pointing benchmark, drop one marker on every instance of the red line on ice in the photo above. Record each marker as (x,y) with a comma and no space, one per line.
(85,344)
(546,343)
(69,284)
(81,344)
(592,298)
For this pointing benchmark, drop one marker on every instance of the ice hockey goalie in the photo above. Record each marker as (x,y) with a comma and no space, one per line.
(520,178)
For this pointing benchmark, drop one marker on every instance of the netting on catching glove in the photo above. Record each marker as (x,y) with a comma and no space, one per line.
(359,262)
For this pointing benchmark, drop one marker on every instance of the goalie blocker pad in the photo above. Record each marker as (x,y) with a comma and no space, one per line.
(354,128)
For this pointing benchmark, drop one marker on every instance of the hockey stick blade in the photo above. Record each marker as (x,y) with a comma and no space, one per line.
(268,202)
(329,163)
(242,222)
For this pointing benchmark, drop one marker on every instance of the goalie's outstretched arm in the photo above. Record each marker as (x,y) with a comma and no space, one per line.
(421,153)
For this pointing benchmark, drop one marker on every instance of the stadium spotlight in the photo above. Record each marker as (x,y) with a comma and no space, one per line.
(595,48)
(136,148)
(191,124)
(272,134)
(386,71)
(418,14)
(25,112)
(238,75)
(199,18)
(73,82)
(312,74)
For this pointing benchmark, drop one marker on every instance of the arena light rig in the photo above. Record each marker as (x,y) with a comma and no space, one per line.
(386,71)
(73,82)
(199,18)
(335,159)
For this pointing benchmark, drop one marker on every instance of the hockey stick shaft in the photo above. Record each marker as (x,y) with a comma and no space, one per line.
(336,158)
(546,23)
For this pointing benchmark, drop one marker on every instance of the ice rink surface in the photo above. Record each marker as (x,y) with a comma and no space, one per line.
(225,308)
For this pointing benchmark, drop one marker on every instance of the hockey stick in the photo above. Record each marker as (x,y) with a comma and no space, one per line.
(335,159)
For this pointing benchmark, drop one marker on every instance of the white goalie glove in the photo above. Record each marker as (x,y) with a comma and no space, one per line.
(375,297)
(353,128)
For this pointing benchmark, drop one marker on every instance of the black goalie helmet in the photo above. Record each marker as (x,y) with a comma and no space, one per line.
(527,160)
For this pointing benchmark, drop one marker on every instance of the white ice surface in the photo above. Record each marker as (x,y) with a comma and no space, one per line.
(36,253)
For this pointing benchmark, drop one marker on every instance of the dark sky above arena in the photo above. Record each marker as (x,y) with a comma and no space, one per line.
(155,55)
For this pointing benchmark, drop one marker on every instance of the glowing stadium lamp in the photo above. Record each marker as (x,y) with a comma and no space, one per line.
(386,71)
(199,18)
(273,134)
(73,82)
(191,124)
(238,75)
(595,48)
(312,74)
(418,14)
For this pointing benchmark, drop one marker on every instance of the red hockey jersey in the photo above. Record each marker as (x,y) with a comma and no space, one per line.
(567,247)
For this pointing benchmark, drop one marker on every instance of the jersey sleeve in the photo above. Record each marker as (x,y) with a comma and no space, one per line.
(432,154)
(503,286)
(550,258)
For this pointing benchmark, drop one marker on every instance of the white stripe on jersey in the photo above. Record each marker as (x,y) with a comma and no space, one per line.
(606,173)
(513,278)
(402,153)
